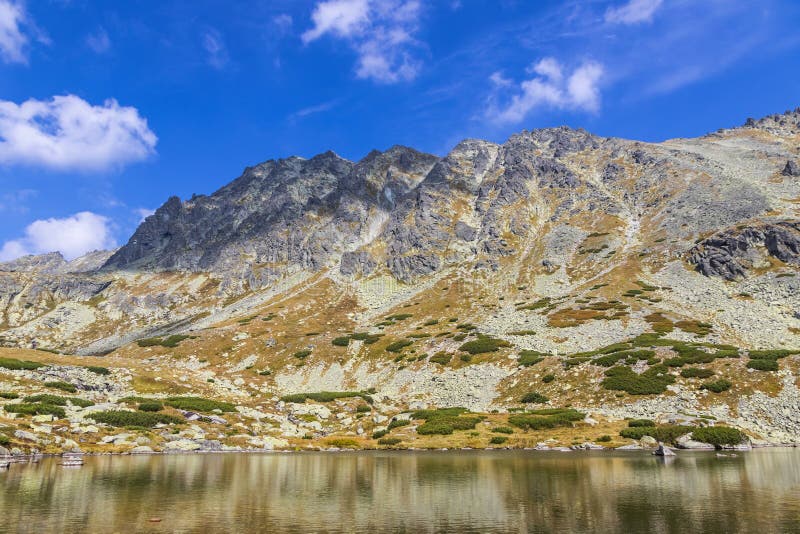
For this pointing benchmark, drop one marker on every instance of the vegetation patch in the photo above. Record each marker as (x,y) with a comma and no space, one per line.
(637,423)
(549,418)
(718,436)
(528,358)
(397,423)
(119,418)
(548,378)
(665,433)
(104,371)
(483,344)
(763,365)
(169,341)
(696,372)
(150,406)
(19,365)
(442,358)
(8,395)
(653,381)
(534,398)
(35,409)
(498,440)
(522,333)
(397,346)
(326,396)
(302,354)
(63,386)
(389,441)
(57,400)
(717,386)
(342,443)
(199,404)
(340,341)
(503,430)
(444,421)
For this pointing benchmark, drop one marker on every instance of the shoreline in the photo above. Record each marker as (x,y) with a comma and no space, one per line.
(26,458)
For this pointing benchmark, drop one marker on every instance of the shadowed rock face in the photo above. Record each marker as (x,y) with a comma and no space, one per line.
(730,254)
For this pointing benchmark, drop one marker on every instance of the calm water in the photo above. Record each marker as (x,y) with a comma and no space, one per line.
(489,491)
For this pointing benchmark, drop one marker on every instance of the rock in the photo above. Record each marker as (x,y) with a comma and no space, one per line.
(45,418)
(182,445)
(686,442)
(141,449)
(662,450)
(631,447)
(26,436)
(791,169)
(648,442)
(4,451)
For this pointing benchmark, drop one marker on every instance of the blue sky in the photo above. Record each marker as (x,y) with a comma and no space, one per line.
(108,108)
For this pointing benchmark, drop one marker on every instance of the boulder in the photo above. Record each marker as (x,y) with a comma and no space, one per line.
(791,169)
(686,442)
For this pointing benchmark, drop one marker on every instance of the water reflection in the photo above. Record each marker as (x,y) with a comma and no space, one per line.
(408,492)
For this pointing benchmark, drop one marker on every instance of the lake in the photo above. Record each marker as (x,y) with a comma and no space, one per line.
(405,491)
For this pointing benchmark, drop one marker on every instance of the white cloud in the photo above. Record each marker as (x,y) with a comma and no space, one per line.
(143,213)
(216,49)
(551,87)
(12,40)
(72,236)
(633,12)
(99,41)
(380,32)
(282,22)
(16,201)
(68,133)
(313,110)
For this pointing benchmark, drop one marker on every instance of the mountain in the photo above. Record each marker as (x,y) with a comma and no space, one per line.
(457,281)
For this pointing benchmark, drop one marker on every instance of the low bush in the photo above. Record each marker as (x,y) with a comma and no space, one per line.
(528,358)
(99,370)
(717,386)
(665,433)
(397,346)
(604,439)
(63,386)
(397,423)
(483,344)
(718,435)
(153,406)
(437,426)
(774,354)
(8,395)
(19,365)
(503,430)
(696,372)
(199,404)
(326,396)
(340,341)
(389,441)
(399,317)
(548,378)
(636,423)
(653,381)
(551,418)
(342,443)
(534,398)
(498,440)
(363,408)
(56,400)
(169,341)
(444,421)
(4,440)
(466,358)
(442,358)
(120,418)
(35,409)
(763,365)
(379,434)
(302,354)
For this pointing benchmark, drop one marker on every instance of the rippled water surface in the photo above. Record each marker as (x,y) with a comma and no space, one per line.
(492,491)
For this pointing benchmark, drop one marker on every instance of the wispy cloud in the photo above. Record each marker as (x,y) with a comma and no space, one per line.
(73,236)
(16,201)
(68,133)
(380,32)
(633,12)
(214,45)
(99,41)
(12,40)
(313,110)
(143,213)
(551,87)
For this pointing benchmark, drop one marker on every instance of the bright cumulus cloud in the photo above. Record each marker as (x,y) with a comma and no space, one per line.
(551,87)
(633,12)
(72,236)
(12,40)
(68,133)
(381,32)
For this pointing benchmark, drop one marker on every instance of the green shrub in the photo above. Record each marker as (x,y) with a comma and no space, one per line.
(444,421)
(63,386)
(665,433)
(549,418)
(437,426)
(302,354)
(466,358)
(363,408)
(442,358)
(717,386)
(340,341)
(153,406)
(637,423)
(534,398)
(99,370)
(763,365)
(379,434)
(653,381)
(199,404)
(548,378)
(138,419)
(389,441)
(718,435)
(604,439)
(19,365)
(503,430)
(483,344)
(498,440)
(528,358)
(397,346)
(774,354)
(169,342)
(696,372)
(326,396)
(396,423)
(56,400)
(8,395)
(430,322)
(4,440)
(35,409)
(399,317)
(438,412)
